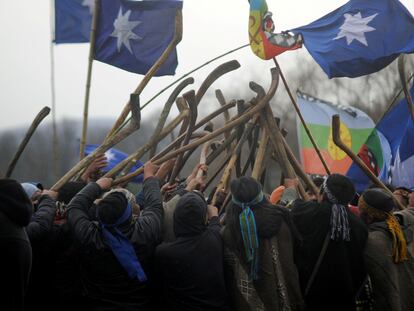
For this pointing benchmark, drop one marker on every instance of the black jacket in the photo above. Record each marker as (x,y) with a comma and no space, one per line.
(15,249)
(342,271)
(190,269)
(106,283)
(41,223)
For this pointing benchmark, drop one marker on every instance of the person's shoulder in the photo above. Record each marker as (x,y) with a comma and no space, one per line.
(308,208)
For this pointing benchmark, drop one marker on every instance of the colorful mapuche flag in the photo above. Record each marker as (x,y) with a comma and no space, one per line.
(355,128)
(263,41)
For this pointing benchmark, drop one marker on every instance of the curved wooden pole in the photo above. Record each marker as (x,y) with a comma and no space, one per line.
(247,115)
(336,123)
(261,152)
(202,122)
(164,56)
(35,123)
(166,111)
(128,130)
(134,157)
(226,114)
(225,179)
(214,75)
(191,101)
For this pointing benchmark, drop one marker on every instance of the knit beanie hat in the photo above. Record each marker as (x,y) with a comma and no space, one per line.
(379,205)
(14,202)
(111,207)
(341,188)
(30,189)
(69,190)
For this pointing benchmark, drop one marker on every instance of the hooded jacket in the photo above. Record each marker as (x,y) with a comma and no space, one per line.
(106,283)
(190,269)
(16,252)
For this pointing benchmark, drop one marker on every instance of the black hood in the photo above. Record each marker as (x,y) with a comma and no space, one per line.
(190,215)
(14,202)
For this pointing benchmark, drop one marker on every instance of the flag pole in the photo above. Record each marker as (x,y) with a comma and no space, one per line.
(302,120)
(55,141)
(88,80)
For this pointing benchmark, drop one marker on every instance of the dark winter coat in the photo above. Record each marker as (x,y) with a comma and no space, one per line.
(190,269)
(16,252)
(342,271)
(277,287)
(106,283)
(40,232)
(392,283)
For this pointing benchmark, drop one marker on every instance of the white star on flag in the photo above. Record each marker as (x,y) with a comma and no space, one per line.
(90,4)
(123,30)
(109,155)
(355,27)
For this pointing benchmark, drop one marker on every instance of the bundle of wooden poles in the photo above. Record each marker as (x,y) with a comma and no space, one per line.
(251,127)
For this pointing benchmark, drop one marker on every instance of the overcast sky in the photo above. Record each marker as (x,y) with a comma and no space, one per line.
(211,27)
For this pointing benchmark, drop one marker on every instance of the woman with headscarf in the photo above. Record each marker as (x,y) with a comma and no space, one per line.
(389,258)
(330,258)
(259,268)
(116,248)
(190,269)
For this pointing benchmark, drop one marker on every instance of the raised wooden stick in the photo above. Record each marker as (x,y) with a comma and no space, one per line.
(298,168)
(128,130)
(176,39)
(214,75)
(336,135)
(261,152)
(302,120)
(247,115)
(88,80)
(191,101)
(134,157)
(224,181)
(166,111)
(36,121)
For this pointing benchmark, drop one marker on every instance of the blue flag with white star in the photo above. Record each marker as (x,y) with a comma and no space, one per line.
(132,35)
(114,157)
(360,37)
(73,19)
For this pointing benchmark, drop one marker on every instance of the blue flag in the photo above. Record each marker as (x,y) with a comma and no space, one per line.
(115,156)
(132,35)
(360,37)
(389,150)
(73,19)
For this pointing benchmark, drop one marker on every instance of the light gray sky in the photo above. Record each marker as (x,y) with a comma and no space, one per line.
(211,27)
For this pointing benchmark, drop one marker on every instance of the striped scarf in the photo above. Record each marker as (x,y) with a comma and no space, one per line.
(339,217)
(249,233)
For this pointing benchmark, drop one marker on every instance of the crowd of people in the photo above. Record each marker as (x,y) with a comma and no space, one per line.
(91,246)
